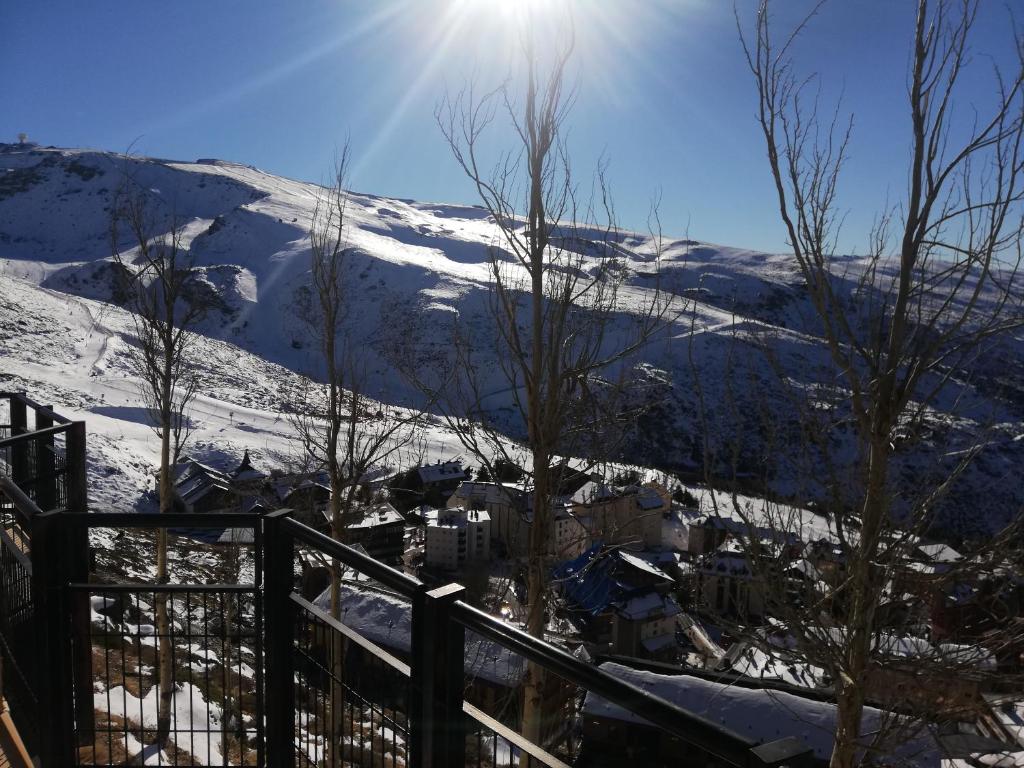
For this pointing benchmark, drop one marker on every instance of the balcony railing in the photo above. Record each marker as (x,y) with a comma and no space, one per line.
(43,453)
(273,672)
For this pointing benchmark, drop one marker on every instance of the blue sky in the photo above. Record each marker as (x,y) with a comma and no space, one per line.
(664,93)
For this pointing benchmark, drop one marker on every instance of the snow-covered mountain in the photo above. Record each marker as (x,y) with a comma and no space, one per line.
(746,325)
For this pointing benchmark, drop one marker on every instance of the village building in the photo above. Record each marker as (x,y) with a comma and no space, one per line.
(630,515)
(457,536)
(246,479)
(727,585)
(506,507)
(307,497)
(442,478)
(511,513)
(199,488)
(570,534)
(380,530)
(621,603)
(709,533)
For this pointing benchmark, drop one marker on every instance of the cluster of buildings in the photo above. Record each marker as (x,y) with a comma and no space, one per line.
(376,525)
(648,586)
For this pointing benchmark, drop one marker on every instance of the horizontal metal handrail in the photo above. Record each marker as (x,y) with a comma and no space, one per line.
(405,585)
(394,662)
(522,743)
(351,634)
(19,498)
(712,737)
(707,735)
(19,554)
(35,434)
(20,396)
(164,519)
(80,586)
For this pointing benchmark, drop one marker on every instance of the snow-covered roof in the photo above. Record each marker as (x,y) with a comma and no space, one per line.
(649,499)
(245,471)
(387,621)
(762,715)
(456,518)
(648,605)
(752,661)
(285,488)
(940,553)
(593,491)
(195,487)
(643,565)
(489,493)
(807,568)
(378,514)
(441,472)
(236,536)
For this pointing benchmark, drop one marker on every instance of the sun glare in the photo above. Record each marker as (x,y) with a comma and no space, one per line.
(523,10)
(610,36)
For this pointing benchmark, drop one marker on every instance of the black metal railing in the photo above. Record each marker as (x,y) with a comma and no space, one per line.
(212,644)
(351,694)
(17,630)
(407,702)
(333,691)
(213,638)
(42,468)
(42,453)
(283,670)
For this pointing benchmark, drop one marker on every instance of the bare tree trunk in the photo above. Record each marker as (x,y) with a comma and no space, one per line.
(319,422)
(165,669)
(536,592)
(863,602)
(163,624)
(337,646)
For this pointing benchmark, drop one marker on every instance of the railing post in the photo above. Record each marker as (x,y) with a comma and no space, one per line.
(19,453)
(52,677)
(279,649)
(75,540)
(437,731)
(421,721)
(77,488)
(45,470)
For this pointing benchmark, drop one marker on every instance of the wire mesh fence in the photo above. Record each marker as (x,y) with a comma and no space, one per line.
(352,698)
(18,645)
(207,712)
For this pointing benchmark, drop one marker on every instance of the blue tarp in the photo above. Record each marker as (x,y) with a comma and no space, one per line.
(595,580)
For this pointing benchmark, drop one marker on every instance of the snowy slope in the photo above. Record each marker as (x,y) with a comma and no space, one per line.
(417,267)
(71,352)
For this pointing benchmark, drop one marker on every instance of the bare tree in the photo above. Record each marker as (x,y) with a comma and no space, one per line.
(939,281)
(556,268)
(158,285)
(341,430)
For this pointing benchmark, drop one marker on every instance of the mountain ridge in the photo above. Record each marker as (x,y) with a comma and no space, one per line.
(418,266)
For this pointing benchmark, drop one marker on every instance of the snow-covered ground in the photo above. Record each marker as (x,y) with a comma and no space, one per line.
(71,351)
(416,267)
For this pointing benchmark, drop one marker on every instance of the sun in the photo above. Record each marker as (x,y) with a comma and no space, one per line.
(513,15)
(525,10)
